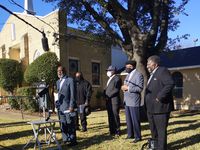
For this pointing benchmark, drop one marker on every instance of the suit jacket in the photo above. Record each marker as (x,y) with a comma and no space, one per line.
(83,92)
(112,91)
(160,86)
(132,97)
(66,95)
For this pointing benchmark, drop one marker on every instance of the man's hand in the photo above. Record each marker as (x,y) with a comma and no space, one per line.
(71,109)
(157,99)
(86,104)
(124,88)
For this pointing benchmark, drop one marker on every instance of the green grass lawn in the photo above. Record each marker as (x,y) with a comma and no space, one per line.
(183,133)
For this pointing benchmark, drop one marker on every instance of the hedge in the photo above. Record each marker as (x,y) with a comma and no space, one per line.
(44,68)
(10,74)
(26,94)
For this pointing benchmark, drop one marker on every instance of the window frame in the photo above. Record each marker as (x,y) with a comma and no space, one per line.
(78,65)
(99,63)
(178,87)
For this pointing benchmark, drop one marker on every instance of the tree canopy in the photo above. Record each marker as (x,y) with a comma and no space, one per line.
(139,27)
(10,74)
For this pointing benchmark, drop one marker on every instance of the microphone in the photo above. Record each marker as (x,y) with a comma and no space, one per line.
(45,44)
(44,91)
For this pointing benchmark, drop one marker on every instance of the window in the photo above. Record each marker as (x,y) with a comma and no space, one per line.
(13,33)
(95,73)
(36,54)
(73,66)
(178,88)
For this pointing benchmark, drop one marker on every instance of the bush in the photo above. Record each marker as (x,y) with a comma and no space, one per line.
(10,74)
(28,103)
(14,103)
(43,68)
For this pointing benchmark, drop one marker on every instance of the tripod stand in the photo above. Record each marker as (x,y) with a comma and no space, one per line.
(45,124)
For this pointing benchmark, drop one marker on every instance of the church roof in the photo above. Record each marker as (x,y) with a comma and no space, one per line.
(182,58)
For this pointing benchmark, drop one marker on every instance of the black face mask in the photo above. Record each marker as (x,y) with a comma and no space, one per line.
(128,70)
(78,79)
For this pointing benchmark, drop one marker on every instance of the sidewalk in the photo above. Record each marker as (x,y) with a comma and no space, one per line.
(7,113)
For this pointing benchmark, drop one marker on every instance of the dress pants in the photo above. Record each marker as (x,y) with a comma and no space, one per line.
(83,120)
(133,122)
(67,122)
(158,125)
(113,117)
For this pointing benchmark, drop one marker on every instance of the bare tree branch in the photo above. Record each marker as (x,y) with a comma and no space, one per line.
(123,13)
(132,7)
(103,23)
(164,26)
(151,38)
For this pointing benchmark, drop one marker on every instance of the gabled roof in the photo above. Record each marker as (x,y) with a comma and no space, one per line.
(182,58)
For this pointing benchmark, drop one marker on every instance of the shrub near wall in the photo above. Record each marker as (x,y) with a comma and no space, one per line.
(28,103)
(13,103)
(10,74)
(44,68)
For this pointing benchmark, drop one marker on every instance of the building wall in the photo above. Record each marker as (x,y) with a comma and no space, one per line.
(15,37)
(191,86)
(86,53)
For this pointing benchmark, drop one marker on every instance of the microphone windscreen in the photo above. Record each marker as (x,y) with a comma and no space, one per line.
(45,44)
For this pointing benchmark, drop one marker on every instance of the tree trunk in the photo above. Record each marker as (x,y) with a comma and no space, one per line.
(141,67)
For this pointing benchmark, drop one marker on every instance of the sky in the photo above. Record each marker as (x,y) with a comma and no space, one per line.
(189,24)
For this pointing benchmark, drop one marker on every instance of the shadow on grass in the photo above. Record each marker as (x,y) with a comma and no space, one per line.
(177,122)
(5,125)
(181,129)
(13,147)
(182,143)
(96,139)
(186,113)
(20,134)
(15,135)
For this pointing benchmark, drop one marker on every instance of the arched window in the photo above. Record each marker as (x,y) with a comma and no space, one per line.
(36,55)
(178,88)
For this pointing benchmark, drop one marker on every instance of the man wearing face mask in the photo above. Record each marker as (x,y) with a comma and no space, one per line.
(132,88)
(112,96)
(83,96)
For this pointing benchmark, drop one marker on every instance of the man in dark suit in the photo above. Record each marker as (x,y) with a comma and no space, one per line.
(158,100)
(112,96)
(83,96)
(132,88)
(65,105)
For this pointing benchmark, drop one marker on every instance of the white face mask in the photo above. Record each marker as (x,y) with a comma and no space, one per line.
(109,73)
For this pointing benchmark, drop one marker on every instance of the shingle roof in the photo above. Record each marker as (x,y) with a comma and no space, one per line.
(187,57)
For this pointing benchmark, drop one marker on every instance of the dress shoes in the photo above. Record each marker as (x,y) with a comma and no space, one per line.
(136,140)
(84,130)
(117,133)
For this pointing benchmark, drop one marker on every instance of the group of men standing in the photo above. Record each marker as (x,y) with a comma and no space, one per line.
(158,101)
